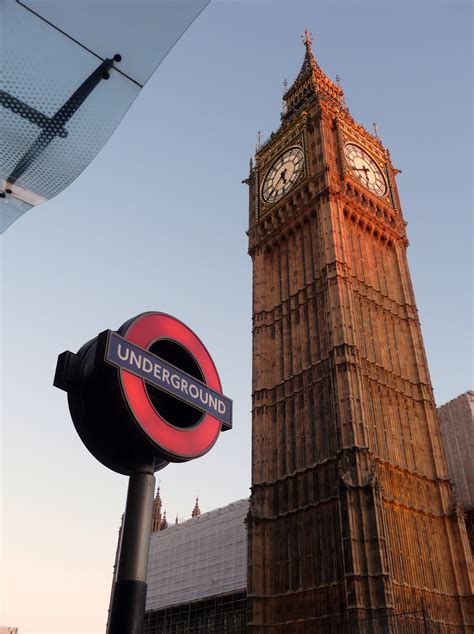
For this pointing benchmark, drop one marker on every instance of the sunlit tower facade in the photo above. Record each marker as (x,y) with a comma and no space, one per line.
(352,517)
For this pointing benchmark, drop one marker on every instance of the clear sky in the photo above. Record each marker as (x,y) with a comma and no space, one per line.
(157,222)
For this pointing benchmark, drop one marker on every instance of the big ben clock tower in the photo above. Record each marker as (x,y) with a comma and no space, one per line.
(353,526)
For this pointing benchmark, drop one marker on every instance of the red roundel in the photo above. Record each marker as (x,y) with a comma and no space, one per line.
(186,444)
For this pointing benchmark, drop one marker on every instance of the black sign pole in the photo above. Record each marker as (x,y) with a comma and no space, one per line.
(128,603)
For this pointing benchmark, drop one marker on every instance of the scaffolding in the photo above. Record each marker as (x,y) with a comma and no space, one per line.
(197,574)
(224,614)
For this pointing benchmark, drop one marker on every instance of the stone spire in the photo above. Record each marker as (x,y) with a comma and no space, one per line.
(310,83)
(164,522)
(157,505)
(196,509)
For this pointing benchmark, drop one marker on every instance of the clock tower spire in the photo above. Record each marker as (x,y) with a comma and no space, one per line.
(310,84)
(351,516)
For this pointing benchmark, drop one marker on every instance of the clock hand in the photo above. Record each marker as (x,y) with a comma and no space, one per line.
(282,177)
(274,188)
(362,169)
(276,184)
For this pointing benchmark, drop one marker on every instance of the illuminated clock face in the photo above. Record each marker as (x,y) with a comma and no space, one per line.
(283,175)
(365,169)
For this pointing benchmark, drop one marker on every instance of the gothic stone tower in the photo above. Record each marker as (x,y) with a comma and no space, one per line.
(352,514)
(157,518)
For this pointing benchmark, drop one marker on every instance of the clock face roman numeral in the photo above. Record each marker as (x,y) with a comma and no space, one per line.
(283,175)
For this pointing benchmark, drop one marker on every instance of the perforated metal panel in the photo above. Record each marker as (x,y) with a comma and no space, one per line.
(59,99)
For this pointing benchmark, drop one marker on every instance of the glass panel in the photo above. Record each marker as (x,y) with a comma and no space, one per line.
(59,101)
(11,209)
(141,31)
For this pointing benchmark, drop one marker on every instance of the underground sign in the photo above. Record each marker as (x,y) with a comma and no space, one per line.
(148,392)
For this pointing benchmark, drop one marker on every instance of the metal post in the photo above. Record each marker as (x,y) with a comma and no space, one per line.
(128,604)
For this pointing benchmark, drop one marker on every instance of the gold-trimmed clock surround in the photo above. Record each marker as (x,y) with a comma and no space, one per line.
(283,174)
(350,134)
(266,159)
(365,168)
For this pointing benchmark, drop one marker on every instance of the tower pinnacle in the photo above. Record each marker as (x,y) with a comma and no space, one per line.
(196,509)
(307,40)
(164,522)
(311,83)
(157,505)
